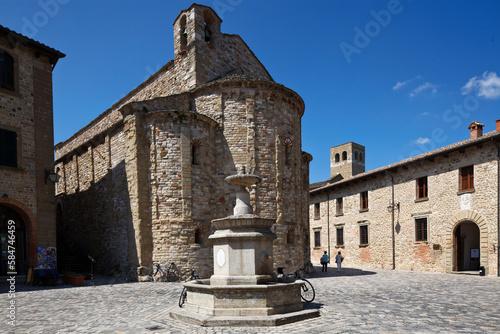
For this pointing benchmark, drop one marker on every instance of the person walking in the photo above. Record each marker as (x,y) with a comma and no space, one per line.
(324,262)
(338,260)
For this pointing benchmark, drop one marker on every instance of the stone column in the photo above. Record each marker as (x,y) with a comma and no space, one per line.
(140,243)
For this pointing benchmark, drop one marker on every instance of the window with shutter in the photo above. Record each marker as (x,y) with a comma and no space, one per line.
(8,148)
(6,71)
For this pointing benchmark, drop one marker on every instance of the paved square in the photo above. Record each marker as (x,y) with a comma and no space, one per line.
(355,301)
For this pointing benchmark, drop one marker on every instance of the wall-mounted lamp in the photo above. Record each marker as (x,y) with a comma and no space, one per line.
(52,176)
(393,206)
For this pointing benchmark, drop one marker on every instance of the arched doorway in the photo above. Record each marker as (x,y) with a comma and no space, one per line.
(466,246)
(13,249)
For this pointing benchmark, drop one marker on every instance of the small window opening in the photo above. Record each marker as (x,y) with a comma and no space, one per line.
(195,151)
(340,206)
(208,34)
(197,236)
(363,234)
(355,155)
(317,238)
(337,157)
(183,33)
(290,237)
(6,71)
(316,210)
(421,229)
(344,155)
(422,187)
(340,236)
(467,178)
(364,200)
(8,148)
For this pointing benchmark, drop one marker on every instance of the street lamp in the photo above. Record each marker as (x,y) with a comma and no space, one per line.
(52,176)
(391,208)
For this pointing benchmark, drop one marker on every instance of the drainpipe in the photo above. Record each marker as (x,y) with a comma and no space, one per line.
(328,221)
(393,236)
(498,209)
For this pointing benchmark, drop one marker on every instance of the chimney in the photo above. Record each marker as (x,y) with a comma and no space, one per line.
(498,125)
(476,130)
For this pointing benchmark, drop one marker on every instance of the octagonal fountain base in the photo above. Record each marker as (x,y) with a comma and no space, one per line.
(270,304)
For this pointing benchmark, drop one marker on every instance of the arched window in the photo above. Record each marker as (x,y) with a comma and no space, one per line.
(337,157)
(183,33)
(344,155)
(6,71)
(360,156)
(209,21)
(355,155)
(195,151)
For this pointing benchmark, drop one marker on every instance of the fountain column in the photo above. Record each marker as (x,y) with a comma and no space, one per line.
(243,242)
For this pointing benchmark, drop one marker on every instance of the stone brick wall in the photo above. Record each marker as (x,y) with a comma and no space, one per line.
(445,207)
(28,111)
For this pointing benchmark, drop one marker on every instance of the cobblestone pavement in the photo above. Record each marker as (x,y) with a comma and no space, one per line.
(354,301)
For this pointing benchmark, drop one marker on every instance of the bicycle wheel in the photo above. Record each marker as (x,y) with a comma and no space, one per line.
(307,291)
(174,275)
(183,297)
(151,276)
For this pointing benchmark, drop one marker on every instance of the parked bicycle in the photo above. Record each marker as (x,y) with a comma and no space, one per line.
(170,274)
(183,296)
(307,292)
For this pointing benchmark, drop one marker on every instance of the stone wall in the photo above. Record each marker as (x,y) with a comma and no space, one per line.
(445,207)
(27,111)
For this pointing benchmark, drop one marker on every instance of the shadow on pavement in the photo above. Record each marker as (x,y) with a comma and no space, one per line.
(20,284)
(332,272)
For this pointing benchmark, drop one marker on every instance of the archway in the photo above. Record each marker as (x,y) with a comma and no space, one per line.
(14,254)
(466,246)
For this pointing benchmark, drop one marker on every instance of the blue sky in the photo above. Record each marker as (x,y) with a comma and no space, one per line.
(399,77)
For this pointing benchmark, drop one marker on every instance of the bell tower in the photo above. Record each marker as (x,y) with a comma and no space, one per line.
(347,160)
(196,31)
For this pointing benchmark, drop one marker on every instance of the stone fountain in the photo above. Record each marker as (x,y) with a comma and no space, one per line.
(243,290)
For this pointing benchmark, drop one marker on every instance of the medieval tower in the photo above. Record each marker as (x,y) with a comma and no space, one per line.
(347,160)
(143,181)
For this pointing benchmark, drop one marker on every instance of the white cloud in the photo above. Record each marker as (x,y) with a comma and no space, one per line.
(488,86)
(421,141)
(423,87)
(425,113)
(400,84)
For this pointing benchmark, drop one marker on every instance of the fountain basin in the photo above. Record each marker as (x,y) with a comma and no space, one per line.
(243,180)
(267,304)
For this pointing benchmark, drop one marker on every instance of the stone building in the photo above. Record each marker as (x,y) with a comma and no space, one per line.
(438,211)
(143,181)
(26,147)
